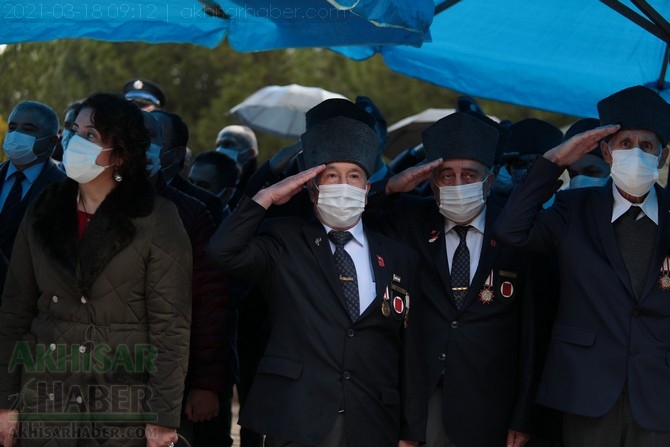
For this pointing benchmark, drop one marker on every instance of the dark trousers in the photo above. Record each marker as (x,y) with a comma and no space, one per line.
(615,429)
(435,434)
(336,438)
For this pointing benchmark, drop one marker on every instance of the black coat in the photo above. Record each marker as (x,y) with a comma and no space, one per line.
(487,364)
(603,339)
(317,361)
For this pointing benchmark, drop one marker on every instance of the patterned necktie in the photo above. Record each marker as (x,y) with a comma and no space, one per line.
(460,268)
(346,271)
(12,202)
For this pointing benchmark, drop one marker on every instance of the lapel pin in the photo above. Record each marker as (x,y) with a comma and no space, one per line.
(380,261)
(396,278)
(433,236)
(317,241)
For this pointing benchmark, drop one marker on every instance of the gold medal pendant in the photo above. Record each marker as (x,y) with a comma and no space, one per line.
(486,295)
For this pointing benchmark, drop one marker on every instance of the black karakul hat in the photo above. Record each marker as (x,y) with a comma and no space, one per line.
(532,136)
(340,139)
(330,108)
(144,90)
(637,107)
(503,133)
(461,136)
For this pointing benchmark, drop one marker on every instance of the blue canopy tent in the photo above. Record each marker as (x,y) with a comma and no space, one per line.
(557,55)
(249,25)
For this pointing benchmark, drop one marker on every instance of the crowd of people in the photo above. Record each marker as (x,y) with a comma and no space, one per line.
(501,284)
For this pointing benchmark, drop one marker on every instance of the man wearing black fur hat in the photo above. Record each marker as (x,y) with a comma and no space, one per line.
(340,368)
(607,364)
(472,289)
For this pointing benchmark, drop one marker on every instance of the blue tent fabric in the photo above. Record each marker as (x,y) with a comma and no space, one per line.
(249,25)
(261,25)
(563,56)
(179,21)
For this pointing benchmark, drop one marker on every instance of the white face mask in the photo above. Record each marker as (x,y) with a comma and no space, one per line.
(461,203)
(154,158)
(19,147)
(79,159)
(634,171)
(586,181)
(341,205)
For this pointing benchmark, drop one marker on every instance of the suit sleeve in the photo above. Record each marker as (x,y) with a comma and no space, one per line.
(237,249)
(168,302)
(523,222)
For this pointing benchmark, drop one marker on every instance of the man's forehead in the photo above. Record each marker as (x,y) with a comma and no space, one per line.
(343,165)
(461,164)
(636,133)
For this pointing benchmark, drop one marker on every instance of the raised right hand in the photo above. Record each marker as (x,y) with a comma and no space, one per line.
(282,191)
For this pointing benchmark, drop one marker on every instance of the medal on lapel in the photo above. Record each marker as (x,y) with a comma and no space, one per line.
(486,294)
(664,280)
(398,305)
(386,308)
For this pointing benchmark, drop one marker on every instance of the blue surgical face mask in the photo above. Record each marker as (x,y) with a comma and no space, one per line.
(19,147)
(503,181)
(586,181)
(153,158)
(232,153)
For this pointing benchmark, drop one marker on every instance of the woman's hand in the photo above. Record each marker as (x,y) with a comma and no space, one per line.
(159,436)
(9,426)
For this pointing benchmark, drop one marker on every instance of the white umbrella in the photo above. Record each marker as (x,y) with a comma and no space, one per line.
(280,110)
(406,133)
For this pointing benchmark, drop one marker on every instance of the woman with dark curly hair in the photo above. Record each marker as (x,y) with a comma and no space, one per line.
(96,309)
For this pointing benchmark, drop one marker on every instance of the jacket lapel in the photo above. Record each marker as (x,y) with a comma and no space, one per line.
(486,256)
(661,243)
(601,213)
(380,270)
(318,242)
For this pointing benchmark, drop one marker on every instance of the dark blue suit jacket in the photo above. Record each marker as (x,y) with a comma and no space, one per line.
(603,340)
(50,174)
(317,361)
(487,363)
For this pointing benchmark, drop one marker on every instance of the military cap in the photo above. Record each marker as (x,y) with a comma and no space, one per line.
(144,90)
(637,107)
(330,108)
(532,136)
(584,125)
(340,139)
(461,136)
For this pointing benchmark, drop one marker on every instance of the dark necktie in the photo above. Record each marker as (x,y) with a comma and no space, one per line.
(10,208)
(460,268)
(346,271)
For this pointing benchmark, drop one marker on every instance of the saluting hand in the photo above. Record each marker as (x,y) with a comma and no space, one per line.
(281,192)
(410,178)
(573,149)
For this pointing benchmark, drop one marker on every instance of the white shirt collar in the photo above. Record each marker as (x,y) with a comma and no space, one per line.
(649,206)
(356,231)
(479,222)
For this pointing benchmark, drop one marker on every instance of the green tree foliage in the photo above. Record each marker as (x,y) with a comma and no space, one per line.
(203,84)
